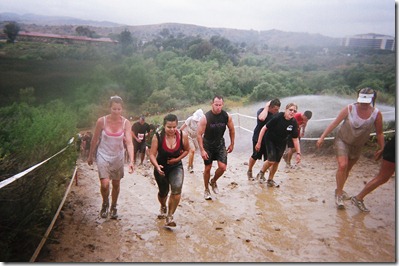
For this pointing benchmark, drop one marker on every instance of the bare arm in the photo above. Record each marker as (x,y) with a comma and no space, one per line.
(341,116)
(95,140)
(303,126)
(232,134)
(263,115)
(183,126)
(260,137)
(129,145)
(298,149)
(200,132)
(153,154)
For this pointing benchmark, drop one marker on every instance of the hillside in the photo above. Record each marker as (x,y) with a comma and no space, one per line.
(271,38)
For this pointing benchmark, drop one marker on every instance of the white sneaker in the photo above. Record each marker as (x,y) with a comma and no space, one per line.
(207,195)
(339,201)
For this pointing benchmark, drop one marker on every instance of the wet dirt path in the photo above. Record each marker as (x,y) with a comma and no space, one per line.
(246,222)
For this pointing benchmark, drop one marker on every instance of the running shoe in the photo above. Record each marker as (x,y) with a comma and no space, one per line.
(261,177)
(345,196)
(169,221)
(190,169)
(114,213)
(249,175)
(104,210)
(272,183)
(214,187)
(162,212)
(359,204)
(207,195)
(339,201)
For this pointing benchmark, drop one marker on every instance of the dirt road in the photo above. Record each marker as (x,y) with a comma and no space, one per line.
(246,222)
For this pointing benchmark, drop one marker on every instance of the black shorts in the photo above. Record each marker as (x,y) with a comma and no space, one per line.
(389,151)
(257,155)
(275,150)
(139,146)
(215,152)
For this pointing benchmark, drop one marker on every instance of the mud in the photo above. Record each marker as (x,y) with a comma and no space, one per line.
(246,222)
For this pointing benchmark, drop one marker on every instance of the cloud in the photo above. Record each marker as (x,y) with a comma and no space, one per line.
(335,18)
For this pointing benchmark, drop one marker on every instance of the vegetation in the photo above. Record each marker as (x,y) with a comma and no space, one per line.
(49,91)
(11,30)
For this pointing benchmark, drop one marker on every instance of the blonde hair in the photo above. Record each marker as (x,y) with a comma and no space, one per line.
(290,105)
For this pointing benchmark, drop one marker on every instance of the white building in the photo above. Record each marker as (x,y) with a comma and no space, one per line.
(370,40)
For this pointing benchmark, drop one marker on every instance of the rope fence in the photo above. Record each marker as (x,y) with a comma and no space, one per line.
(313,120)
(23,173)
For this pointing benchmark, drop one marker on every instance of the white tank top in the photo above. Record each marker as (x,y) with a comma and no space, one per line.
(355,130)
(111,144)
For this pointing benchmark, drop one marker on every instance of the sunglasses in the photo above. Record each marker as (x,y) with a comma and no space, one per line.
(292,110)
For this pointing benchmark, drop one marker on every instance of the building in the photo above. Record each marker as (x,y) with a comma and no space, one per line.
(371,41)
(65,39)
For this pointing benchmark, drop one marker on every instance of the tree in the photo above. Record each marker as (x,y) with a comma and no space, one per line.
(11,30)
(126,41)
(84,31)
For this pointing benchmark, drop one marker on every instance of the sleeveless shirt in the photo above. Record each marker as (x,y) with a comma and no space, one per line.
(215,127)
(111,144)
(165,153)
(354,130)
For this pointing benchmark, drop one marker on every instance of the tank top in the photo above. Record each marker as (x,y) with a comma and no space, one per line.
(165,153)
(354,130)
(111,144)
(215,127)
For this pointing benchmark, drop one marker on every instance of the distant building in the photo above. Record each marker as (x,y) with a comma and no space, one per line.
(371,41)
(55,38)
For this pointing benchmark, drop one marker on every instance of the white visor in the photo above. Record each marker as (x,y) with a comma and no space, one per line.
(365,98)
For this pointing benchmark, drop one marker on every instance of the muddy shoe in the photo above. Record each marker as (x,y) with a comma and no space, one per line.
(272,183)
(190,169)
(114,213)
(359,204)
(249,175)
(339,201)
(345,196)
(162,212)
(207,195)
(169,221)
(104,211)
(214,187)
(261,177)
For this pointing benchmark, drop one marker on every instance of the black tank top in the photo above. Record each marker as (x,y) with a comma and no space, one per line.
(165,153)
(215,127)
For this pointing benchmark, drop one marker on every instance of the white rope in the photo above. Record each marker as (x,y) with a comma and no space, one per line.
(313,120)
(21,174)
(39,248)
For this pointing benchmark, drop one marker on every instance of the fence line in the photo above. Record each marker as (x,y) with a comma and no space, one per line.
(39,248)
(317,120)
(313,120)
(23,173)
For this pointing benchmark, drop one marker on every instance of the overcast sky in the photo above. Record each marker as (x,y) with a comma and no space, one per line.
(334,18)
